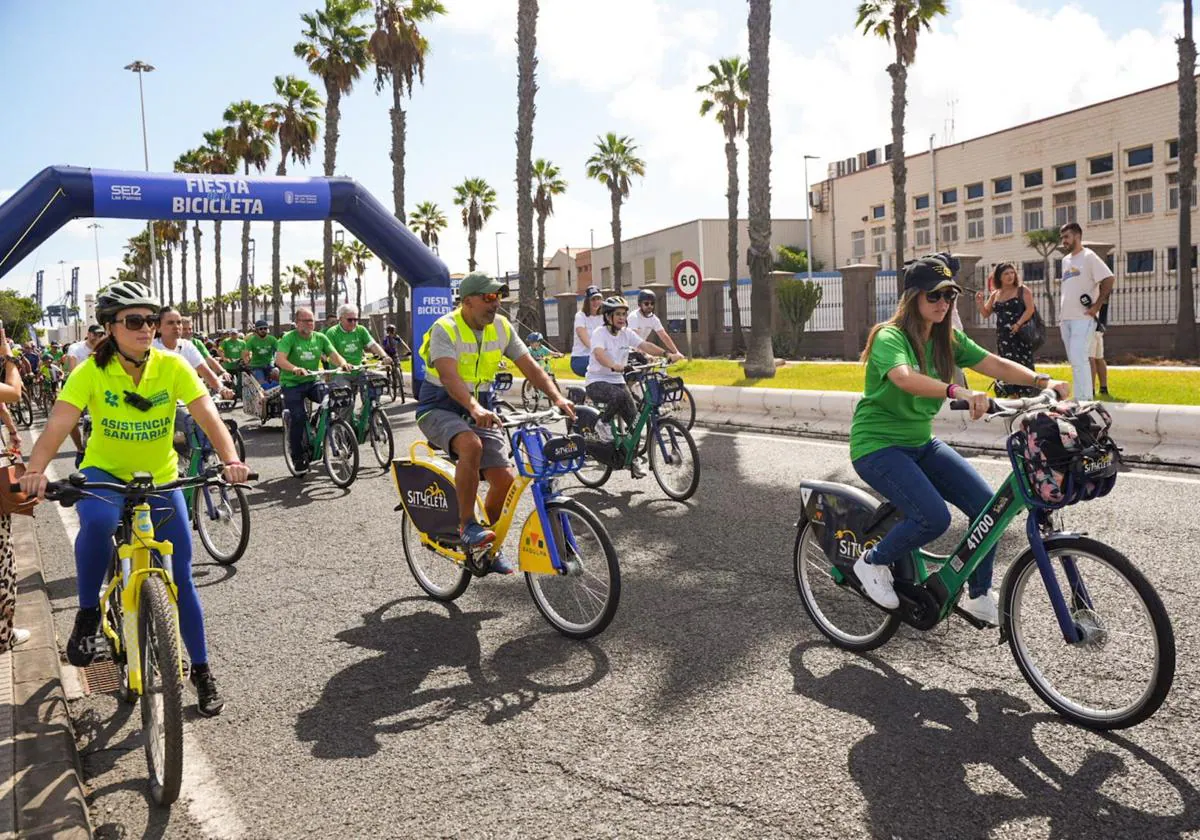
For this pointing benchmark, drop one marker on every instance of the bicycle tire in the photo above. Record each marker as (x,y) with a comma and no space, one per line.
(675,431)
(23,410)
(1025,569)
(239,442)
(411,542)
(340,438)
(857,642)
(158,642)
(287,448)
(538,584)
(685,410)
(532,398)
(200,518)
(503,407)
(383,441)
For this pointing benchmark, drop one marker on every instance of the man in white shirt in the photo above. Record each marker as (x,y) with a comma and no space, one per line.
(78,352)
(170,330)
(645,322)
(1086,284)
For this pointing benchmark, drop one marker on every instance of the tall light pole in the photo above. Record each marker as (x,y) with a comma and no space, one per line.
(499,233)
(95,228)
(808,257)
(141,67)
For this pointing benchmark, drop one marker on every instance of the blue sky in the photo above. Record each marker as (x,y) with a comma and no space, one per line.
(629,66)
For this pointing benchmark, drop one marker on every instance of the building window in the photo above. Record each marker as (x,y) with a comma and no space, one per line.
(974,225)
(878,240)
(1064,208)
(606,277)
(1100,165)
(1141,156)
(1002,220)
(974,191)
(1139,196)
(1173,258)
(877,212)
(949,223)
(921,202)
(675,259)
(1033,271)
(1064,172)
(649,269)
(626,274)
(921,233)
(1031,179)
(1031,214)
(950,196)
(1172,150)
(858,245)
(1173,191)
(1139,262)
(1000,186)
(1100,203)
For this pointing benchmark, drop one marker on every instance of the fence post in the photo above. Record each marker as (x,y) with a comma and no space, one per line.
(566,320)
(858,307)
(966,279)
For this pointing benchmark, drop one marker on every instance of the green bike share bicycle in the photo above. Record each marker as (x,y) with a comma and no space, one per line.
(220,512)
(1093,641)
(326,436)
(368,422)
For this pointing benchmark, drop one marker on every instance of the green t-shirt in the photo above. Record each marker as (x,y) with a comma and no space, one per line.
(888,416)
(262,350)
(351,345)
(200,346)
(303,352)
(232,349)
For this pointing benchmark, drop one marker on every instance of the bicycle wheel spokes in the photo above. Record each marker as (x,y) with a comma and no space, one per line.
(846,618)
(380,433)
(440,577)
(674,459)
(582,602)
(162,691)
(341,453)
(223,522)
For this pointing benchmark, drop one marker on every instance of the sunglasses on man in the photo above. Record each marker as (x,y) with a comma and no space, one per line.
(137,322)
(948,295)
(491,297)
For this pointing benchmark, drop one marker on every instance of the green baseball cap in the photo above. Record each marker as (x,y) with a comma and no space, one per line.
(478,283)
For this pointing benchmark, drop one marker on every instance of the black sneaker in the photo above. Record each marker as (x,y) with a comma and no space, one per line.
(208,698)
(81,647)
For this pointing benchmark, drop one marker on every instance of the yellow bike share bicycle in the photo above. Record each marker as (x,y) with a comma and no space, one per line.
(567,557)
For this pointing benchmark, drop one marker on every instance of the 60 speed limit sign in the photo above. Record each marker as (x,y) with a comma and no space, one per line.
(687,279)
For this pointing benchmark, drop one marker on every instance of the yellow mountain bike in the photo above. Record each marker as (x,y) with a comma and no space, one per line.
(568,559)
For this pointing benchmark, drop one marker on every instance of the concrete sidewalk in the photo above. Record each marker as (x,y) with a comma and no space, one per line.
(41,781)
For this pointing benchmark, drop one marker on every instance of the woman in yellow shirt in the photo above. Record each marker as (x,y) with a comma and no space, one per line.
(131,390)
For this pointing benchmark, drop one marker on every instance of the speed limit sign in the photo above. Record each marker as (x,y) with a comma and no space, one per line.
(687,279)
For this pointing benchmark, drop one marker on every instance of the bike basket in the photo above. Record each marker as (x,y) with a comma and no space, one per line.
(375,385)
(428,497)
(340,397)
(1064,455)
(664,389)
(541,455)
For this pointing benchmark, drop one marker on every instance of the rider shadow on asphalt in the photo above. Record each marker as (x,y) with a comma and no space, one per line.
(940,764)
(400,690)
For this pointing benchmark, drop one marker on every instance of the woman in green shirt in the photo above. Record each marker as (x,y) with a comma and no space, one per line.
(911,361)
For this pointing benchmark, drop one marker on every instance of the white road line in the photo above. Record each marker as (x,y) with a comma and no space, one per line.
(209,805)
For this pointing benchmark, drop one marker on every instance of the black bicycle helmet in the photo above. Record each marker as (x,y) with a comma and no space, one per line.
(120,296)
(646,294)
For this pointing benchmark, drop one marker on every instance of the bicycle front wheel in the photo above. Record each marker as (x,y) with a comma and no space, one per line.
(582,602)
(440,577)
(162,690)
(674,459)
(382,442)
(341,453)
(23,410)
(843,616)
(683,410)
(222,517)
(1121,669)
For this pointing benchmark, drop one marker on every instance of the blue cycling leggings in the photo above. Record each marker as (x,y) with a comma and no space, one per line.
(98,520)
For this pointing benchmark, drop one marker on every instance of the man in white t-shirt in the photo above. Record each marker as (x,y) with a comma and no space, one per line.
(1086,284)
(78,352)
(586,321)
(170,329)
(645,323)
(605,378)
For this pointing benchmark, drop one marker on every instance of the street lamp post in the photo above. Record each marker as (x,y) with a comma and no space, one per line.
(808,257)
(141,67)
(94,228)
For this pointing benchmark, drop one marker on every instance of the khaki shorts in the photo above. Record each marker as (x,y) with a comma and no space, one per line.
(440,427)
(1096,348)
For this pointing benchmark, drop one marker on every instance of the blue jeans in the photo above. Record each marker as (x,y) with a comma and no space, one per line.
(263,375)
(1077,339)
(579,365)
(293,402)
(98,520)
(916,479)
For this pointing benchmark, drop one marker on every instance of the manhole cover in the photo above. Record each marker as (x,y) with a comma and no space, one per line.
(101,677)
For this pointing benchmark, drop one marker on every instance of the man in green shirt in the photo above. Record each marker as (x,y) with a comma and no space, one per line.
(231,350)
(259,353)
(299,352)
(352,340)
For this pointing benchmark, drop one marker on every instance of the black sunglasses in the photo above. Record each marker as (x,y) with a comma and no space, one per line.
(137,322)
(351,320)
(948,295)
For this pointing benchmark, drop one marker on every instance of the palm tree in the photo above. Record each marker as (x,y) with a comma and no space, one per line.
(166,234)
(760,357)
(335,49)
(527,14)
(251,143)
(181,233)
(215,160)
(137,256)
(427,220)
(313,277)
(613,163)
(296,284)
(358,255)
(192,162)
(294,117)
(549,184)
(478,201)
(727,93)
(899,22)
(341,265)
(1185,319)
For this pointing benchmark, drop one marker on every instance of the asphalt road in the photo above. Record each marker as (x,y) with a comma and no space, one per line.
(711,707)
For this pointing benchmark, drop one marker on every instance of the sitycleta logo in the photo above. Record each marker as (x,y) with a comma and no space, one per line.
(848,546)
(432,497)
(1094,464)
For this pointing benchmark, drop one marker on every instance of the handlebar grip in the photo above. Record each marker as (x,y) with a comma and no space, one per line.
(965,405)
(252,477)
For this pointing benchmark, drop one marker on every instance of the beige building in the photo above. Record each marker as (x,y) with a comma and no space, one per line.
(1112,167)
(561,270)
(652,257)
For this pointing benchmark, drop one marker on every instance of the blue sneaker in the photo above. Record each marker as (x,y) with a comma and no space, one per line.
(501,565)
(474,535)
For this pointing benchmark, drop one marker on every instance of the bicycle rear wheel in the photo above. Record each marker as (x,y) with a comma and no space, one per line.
(382,442)
(683,410)
(582,602)
(674,459)
(23,410)
(341,453)
(162,690)
(222,517)
(440,577)
(1121,670)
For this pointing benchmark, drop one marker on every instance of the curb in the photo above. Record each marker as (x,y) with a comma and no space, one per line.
(49,798)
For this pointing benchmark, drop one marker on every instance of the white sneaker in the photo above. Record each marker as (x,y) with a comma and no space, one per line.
(877,583)
(604,432)
(986,607)
(20,636)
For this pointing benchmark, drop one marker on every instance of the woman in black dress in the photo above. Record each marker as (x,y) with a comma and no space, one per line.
(1013,304)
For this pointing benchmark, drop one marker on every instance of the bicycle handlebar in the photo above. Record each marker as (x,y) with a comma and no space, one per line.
(531,417)
(78,482)
(1009,408)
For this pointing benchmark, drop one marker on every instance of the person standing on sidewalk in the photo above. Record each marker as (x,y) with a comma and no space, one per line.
(10,391)
(1086,284)
(1012,303)
(1096,352)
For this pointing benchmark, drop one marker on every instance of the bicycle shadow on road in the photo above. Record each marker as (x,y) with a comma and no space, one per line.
(387,694)
(944,764)
(289,492)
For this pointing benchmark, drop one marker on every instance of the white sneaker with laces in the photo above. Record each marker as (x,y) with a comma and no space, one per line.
(986,607)
(877,583)
(604,432)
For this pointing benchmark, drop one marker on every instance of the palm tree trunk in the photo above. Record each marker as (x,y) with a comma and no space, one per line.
(527,13)
(401,289)
(399,131)
(738,344)
(470,250)
(899,74)
(541,272)
(199,282)
(333,97)
(358,292)
(1185,320)
(292,293)
(615,196)
(160,256)
(170,274)
(760,356)
(183,263)
(312,299)
(220,308)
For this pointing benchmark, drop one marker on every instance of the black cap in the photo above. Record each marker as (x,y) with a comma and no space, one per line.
(935,271)
(95,329)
